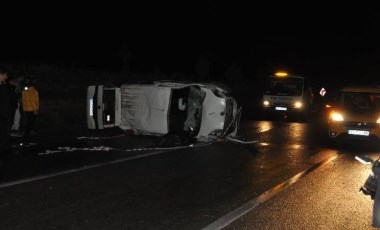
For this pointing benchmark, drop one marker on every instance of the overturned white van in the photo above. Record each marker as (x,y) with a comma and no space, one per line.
(201,111)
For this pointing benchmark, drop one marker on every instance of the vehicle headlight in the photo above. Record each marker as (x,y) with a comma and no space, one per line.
(266,103)
(337,117)
(297,104)
(378,121)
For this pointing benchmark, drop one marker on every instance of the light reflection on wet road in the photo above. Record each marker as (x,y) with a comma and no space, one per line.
(180,189)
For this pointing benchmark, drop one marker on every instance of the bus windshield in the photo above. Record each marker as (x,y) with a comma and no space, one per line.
(284,86)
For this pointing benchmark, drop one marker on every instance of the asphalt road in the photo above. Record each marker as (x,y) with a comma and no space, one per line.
(291,179)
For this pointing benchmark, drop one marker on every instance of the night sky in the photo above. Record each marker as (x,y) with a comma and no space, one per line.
(322,43)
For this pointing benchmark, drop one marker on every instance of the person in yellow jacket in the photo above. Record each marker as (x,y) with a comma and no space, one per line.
(30,105)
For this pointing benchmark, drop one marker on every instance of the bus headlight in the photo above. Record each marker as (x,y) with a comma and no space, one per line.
(266,103)
(297,104)
(337,116)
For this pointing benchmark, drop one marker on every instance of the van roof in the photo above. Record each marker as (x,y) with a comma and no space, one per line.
(289,76)
(361,89)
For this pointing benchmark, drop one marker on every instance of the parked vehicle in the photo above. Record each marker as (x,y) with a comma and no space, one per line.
(201,111)
(355,114)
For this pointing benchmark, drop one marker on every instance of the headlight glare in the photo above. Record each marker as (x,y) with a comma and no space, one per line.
(297,104)
(337,117)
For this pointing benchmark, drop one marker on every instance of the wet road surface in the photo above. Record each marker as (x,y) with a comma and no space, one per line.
(90,183)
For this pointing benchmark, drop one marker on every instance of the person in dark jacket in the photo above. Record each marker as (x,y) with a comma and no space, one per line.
(15,88)
(5,107)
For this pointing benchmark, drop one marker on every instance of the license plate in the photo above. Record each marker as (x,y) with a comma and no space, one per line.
(358,132)
(281,108)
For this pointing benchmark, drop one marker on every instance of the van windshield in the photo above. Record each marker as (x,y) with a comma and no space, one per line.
(360,101)
(284,86)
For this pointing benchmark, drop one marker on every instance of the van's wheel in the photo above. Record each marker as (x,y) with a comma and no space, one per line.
(302,117)
(334,143)
(267,116)
(305,116)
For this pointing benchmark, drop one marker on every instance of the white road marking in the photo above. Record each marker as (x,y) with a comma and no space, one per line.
(99,148)
(72,149)
(107,149)
(100,138)
(27,180)
(242,141)
(252,204)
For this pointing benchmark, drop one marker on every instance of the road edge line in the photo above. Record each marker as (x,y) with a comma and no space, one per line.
(234,215)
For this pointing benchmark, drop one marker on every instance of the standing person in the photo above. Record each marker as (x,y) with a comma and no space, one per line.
(30,104)
(15,88)
(5,119)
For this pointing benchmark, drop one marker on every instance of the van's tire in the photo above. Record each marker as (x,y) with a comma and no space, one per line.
(302,116)
(268,116)
(306,116)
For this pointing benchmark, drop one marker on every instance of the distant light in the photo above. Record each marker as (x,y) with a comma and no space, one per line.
(297,146)
(108,117)
(328,106)
(378,121)
(322,92)
(266,103)
(26,88)
(281,74)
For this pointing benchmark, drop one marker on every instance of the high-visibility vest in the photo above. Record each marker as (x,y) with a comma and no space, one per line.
(30,100)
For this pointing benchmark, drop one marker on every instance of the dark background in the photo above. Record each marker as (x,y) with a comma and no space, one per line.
(318,41)
(68,47)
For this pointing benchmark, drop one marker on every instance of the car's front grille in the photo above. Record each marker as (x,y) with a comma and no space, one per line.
(284,104)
